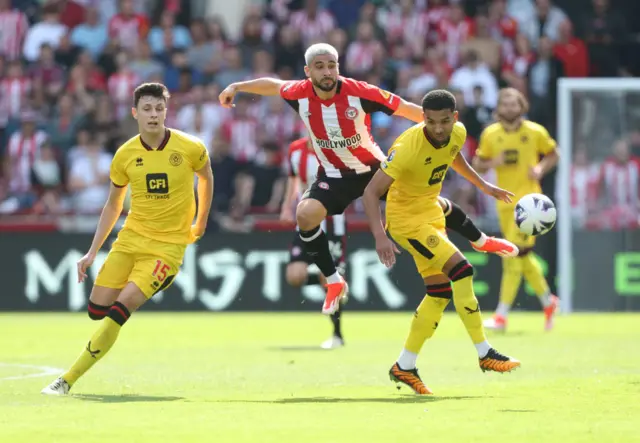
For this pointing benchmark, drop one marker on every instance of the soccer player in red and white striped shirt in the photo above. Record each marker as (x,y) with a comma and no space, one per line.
(337,113)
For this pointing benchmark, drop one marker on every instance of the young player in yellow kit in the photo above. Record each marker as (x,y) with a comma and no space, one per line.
(513,147)
(413,175)
(159,165)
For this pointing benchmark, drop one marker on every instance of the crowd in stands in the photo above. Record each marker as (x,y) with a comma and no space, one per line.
(68,69)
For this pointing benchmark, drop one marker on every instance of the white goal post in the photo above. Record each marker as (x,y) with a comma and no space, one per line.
(567,87)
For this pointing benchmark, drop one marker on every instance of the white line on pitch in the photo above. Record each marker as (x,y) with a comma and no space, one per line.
(44,371)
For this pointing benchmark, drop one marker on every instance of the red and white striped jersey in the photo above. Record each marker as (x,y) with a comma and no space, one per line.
(23,151)
(621,182)
(13,29)
(584,189)
(361,57)
(303,163)
(311,29)
(340,128)
(242,135)
(403,29)
(13,96)
(128,30)
(453,35)
(120,86)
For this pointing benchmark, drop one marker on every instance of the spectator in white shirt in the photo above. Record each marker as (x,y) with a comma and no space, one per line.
(545,21)
(49,31)
(89,178)
(474,73)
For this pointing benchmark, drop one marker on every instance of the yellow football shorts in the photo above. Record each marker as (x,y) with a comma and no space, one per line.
(510,230)
(429,246)
(150,264)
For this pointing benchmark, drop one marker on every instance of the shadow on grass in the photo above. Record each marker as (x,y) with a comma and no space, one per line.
(404,399)
(124,398)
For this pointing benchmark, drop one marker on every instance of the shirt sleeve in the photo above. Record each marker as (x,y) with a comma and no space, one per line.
(484,147)
(117,173)
(375,99)
(291,92)
(397,162)
(546,144)
(198,155)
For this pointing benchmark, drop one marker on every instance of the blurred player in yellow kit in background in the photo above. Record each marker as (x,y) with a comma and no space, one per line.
(413,174)
(159,165)
(513,147)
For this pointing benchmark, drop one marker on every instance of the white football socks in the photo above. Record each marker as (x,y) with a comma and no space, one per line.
(483,349)
(503,309)
(334,278)
(481,241)
(407,360)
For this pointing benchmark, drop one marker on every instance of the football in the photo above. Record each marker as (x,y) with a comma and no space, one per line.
(535,214)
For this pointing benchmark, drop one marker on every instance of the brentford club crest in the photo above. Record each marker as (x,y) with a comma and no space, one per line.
(323,185)
(351,113)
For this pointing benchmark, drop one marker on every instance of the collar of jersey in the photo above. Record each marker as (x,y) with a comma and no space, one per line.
(426,135)
(165,140)
(332,99)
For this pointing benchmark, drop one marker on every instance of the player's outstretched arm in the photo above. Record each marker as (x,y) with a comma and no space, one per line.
(205,197)
(377,187)
(462,167)
(110,213)
(410,111)
(261,86)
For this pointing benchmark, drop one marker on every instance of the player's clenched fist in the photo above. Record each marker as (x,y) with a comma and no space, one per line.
(83,264)
(226,96)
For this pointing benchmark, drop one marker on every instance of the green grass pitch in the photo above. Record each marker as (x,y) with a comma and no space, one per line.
(239,378)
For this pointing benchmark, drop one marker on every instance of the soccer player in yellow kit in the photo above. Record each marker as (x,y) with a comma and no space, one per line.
(159,166)
(513,147)
(412,175)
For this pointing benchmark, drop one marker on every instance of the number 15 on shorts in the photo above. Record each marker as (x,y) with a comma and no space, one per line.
(160,271)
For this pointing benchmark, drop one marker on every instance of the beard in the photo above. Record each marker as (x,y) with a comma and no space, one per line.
(324,87)
(509,118)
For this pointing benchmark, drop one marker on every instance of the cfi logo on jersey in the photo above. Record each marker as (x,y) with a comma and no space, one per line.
(351,113)
(175,159)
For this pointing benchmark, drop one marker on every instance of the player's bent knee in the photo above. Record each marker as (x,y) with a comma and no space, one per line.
(296,276)
(119,313)
(131,297)
(310,214)
(461,270)
(96,311)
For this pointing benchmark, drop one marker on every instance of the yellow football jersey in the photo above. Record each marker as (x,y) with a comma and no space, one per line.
(521,150)
(418,169)
(163,202)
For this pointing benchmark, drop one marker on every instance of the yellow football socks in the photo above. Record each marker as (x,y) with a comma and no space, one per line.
(100,342)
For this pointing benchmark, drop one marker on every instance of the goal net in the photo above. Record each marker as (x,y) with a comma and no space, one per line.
(598,194)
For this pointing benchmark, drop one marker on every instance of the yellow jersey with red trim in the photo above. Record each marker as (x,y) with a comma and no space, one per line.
(418,169)
(163,202)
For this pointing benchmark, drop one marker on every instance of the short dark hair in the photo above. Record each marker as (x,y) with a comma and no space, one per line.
(156,90)
(439,99)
